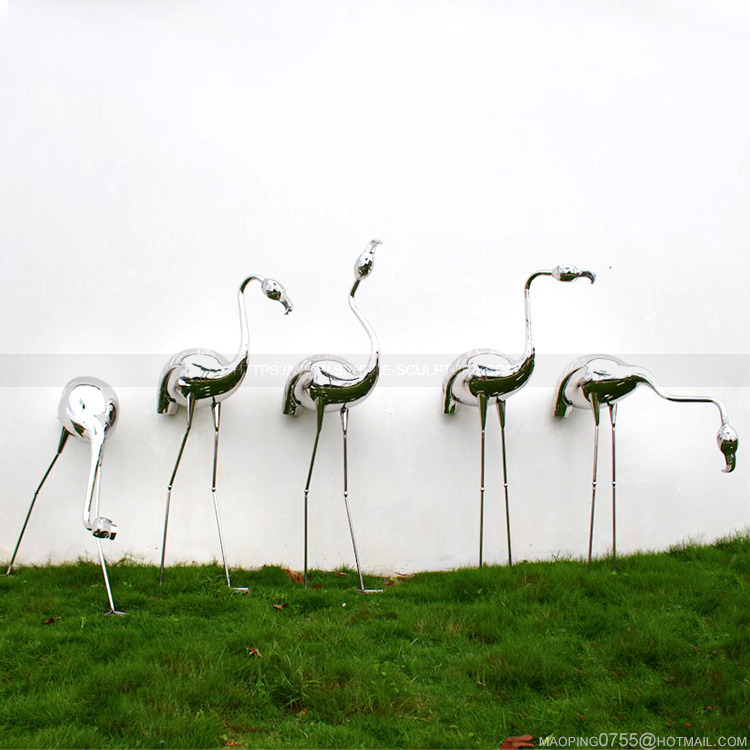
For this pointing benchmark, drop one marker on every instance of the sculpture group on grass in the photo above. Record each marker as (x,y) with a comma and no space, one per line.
(324,383)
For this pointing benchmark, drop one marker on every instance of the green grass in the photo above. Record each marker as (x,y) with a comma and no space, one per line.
(456,659)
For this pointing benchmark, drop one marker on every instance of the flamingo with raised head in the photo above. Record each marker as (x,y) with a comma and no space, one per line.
(330,383)
(88,411)
(202,377)
(602,380)
(482,376)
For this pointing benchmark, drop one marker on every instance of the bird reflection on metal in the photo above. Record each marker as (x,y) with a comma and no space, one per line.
(481,377)
(601,380)
(202,377)
(88,410)
(329,383)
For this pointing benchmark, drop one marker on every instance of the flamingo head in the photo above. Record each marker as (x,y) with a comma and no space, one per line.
(727,441)
(273,290)
(566,272)
(103,528)
(364,265)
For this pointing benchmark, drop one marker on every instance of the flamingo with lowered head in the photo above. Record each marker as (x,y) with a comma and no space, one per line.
(482,376)
(598,379)
(88,411)
(326,382)
(202,377)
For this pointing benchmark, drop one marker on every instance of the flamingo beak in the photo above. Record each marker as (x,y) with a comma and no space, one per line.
(566,272)
(728,442)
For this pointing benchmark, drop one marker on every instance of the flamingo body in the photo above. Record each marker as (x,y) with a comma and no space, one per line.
(88,409)
(203,374)
(327,379)
(600,377)
(483,371)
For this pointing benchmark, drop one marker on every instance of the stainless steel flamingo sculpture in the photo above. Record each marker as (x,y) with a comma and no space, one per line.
(88,410)
(597,380)
(198,377)
(329,383)
(482,376)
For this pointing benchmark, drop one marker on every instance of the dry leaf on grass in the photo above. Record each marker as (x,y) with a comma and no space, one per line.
(295,575)
(512,743)
(254,652)
(397,578)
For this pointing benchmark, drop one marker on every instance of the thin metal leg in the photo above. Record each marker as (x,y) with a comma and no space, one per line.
(482,399)
(61,445)
(501,415)
(112,609)
(216,413)
(595,409)
(96,493)
(344,429)
(613,419)
(190,411)
(320,412)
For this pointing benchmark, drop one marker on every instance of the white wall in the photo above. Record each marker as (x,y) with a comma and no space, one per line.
(154,154)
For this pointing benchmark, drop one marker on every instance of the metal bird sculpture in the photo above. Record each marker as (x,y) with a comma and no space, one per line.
(481,377)
(600,380)
(202,377)
(325,383)
(88,411)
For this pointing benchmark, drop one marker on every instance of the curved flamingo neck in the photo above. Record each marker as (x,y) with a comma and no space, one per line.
(374,361)
(244,351)
(529,352)
(648,379)
(96,441)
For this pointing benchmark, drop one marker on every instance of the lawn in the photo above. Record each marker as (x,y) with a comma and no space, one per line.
(453,659)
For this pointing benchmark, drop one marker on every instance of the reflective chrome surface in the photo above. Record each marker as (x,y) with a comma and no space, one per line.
(325,383)
(88,410)
(482,377)
(202,377)
(598,380)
